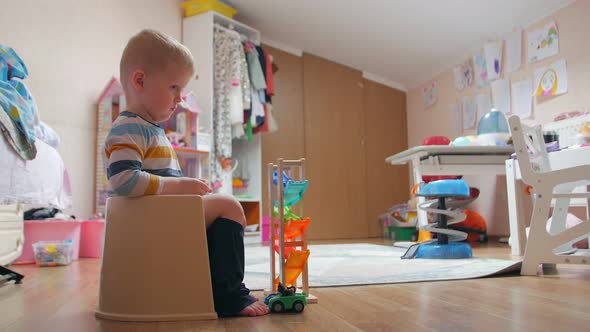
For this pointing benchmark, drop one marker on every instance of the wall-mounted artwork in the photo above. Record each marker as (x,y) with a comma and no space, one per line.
(463,75)
(551,80)
(543,43)
(522,97)
(501,95)
(484,104)
(469,112)
(430,93)
(493,54)
(513,50)
(480,70)
(455,110)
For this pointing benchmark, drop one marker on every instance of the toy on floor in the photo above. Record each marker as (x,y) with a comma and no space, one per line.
(286,299)
(474,224)
(287,228)
(447,244)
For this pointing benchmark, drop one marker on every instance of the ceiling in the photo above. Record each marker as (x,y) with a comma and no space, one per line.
(402,42)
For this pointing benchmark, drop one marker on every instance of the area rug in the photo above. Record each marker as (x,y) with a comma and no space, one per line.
(368,264)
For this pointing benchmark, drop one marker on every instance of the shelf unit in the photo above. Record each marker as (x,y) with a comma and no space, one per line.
(197,35)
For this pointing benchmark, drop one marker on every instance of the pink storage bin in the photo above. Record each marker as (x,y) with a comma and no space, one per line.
(49,230)
(265,230)
(91,238)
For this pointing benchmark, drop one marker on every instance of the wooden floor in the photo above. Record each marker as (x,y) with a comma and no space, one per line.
(63,299)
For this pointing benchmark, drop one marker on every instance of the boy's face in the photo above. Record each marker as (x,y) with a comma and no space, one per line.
(161,92)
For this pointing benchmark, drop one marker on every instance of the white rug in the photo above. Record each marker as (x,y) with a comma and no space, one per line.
(366,264)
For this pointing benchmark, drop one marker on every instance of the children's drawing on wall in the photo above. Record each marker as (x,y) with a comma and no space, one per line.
(456,118)
(513,50)
(501,95)
(484,104)
(430,93)
(493,54)
(551,80)
(480,71)
(543,43)
(522,97)
(463,75)
(469,112)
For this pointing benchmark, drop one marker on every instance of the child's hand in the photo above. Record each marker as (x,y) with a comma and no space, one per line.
(185,186)
(202,187)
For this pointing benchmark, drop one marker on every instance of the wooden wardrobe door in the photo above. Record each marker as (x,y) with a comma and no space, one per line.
(386,134)
(333,115)
(287,142)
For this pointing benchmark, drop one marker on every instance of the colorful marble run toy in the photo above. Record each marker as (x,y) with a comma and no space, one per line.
(287,184)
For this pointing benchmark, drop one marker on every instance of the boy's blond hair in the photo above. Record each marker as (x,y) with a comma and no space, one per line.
(151,50)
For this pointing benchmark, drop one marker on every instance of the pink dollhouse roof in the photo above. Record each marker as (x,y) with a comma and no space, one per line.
(113,88)
(189,103)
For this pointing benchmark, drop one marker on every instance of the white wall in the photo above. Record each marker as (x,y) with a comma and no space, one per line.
(573,24)
(72,48)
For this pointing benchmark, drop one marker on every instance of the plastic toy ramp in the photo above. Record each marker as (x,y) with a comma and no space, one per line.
(287,213)
(293,192)
(294,266)
(292,230)
(296,227)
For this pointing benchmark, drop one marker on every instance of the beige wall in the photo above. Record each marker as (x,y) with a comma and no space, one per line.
(72,48)
(573,22)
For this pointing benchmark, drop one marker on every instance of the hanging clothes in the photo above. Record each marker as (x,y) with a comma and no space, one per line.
(254,67)
(228,98)
(270,85)
(245,80)
(257,109)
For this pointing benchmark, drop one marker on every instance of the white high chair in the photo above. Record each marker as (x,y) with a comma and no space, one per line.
(155,264)
(551,246)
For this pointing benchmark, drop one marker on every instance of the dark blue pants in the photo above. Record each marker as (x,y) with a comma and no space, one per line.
(225,240)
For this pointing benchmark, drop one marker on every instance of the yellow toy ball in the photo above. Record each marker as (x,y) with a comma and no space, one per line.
(50,249)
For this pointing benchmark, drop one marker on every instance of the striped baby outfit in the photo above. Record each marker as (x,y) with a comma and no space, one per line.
(139,157)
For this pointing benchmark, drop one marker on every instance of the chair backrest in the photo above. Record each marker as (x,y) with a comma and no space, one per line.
(530,149)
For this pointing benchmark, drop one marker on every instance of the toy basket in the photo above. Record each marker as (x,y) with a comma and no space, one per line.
(195,7)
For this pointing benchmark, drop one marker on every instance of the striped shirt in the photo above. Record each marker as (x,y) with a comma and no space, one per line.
(139,155)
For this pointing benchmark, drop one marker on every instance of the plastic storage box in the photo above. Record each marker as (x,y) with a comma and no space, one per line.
(195,7)
(91,238)
(53,253)
(52,230)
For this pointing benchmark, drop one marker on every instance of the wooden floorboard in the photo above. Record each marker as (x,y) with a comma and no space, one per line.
(63,299)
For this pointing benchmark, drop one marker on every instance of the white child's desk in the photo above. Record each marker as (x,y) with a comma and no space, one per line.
(484,160)
(452,160)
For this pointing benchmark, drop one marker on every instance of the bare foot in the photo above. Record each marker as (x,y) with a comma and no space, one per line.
(255,309)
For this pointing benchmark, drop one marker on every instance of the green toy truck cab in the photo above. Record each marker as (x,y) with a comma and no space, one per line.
(286,299)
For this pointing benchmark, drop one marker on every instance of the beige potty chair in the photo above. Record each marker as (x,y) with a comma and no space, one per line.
(155,265)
